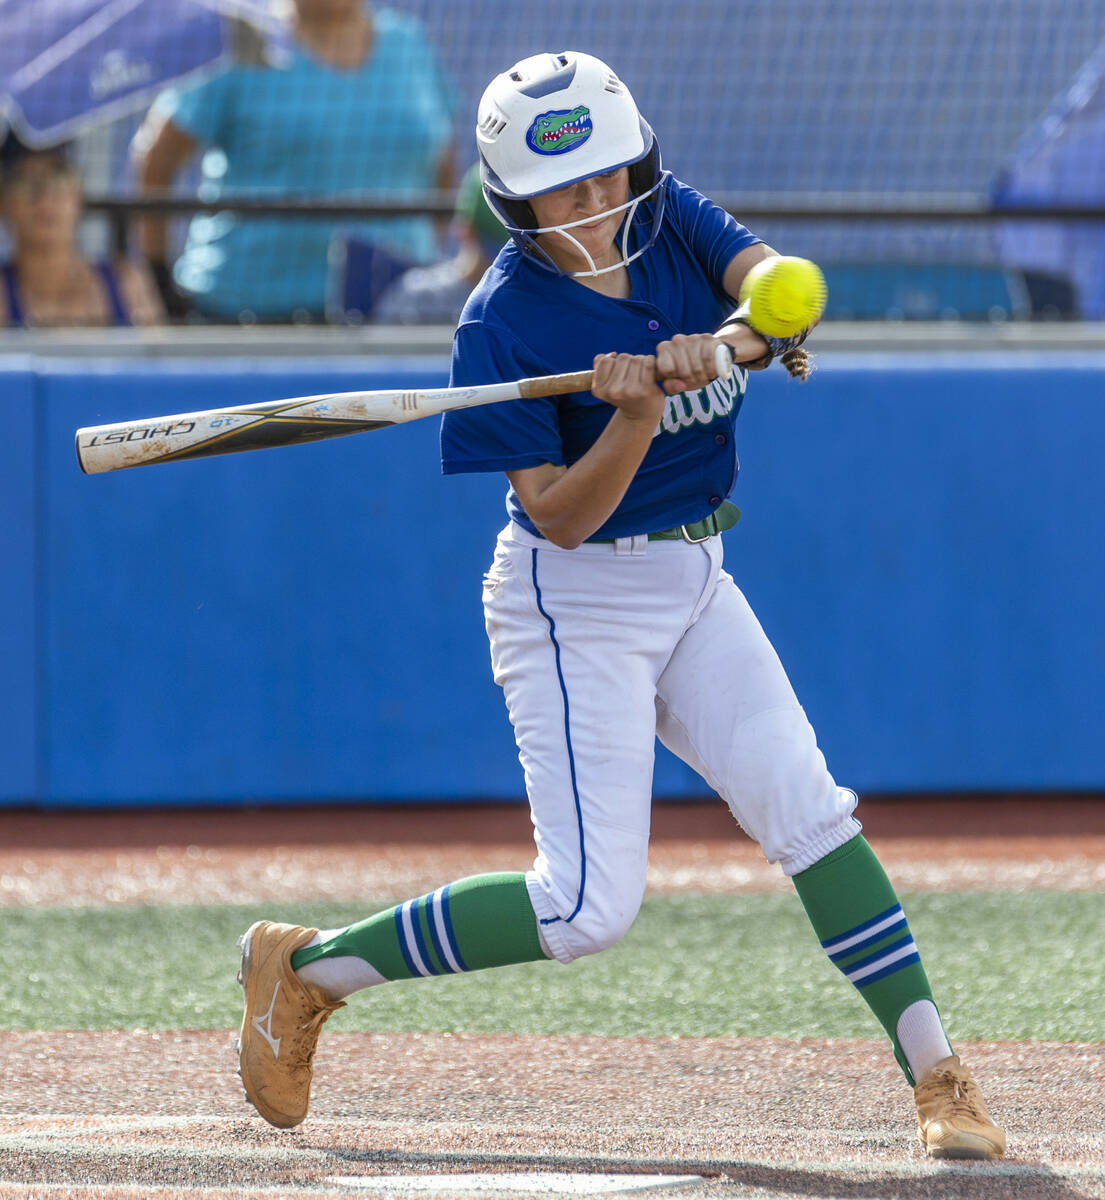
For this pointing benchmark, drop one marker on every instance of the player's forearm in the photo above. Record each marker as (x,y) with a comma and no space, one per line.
(747,345)
(582,498)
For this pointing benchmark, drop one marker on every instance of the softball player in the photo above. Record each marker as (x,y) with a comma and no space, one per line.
(610,618)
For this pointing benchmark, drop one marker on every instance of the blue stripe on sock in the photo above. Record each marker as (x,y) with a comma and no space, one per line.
(415,972)
(840,937)
(897,927)
(428,900)
(909,960)
(568,740)
(859,964)
(420,940)
(449,929)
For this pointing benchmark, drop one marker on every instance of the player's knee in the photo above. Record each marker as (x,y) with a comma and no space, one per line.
(781,791)
(591,932)
(586,912)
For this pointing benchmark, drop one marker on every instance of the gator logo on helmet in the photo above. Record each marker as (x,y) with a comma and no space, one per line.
(560,130)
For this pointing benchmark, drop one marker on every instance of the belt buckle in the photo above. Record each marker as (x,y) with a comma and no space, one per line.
(693,540)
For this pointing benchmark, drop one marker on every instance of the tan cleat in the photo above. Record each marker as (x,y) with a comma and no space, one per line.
(952,1119)
(281,1023)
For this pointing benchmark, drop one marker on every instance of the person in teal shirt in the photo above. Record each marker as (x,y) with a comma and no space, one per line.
(354,105)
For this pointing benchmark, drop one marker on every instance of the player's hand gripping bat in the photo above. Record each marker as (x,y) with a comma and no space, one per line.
(302,419)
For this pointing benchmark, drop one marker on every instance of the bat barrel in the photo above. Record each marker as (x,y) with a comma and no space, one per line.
(125,444)
(102,448)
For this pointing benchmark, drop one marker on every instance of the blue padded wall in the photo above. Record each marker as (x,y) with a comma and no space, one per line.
(271,625)
(921,539)
(21,697)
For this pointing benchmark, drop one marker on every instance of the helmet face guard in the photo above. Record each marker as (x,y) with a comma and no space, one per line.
(646,224)
(552,120)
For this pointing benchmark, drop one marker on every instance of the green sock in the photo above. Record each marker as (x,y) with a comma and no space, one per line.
(856,915)
(482,921)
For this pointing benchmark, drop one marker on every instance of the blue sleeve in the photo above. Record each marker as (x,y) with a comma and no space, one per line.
(507,436)
(714,236)
(202,110)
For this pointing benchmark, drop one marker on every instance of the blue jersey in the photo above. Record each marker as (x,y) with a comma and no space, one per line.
(522,320)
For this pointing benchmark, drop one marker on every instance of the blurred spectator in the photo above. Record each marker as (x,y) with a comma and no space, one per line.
(1060,160)
(46,280)
(436,294)
(355,104)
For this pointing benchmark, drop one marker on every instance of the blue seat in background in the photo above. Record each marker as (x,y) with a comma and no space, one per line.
(924,292)
(359,272)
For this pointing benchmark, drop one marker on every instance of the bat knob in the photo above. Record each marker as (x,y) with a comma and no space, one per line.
(723,360)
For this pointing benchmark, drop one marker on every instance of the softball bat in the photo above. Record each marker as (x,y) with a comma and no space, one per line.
(243,427)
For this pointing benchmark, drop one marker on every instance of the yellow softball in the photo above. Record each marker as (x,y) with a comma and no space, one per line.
(785,295)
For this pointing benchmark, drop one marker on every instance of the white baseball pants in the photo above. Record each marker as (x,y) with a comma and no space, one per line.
(598,651)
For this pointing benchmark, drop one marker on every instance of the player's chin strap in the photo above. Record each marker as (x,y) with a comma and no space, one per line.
(797,361)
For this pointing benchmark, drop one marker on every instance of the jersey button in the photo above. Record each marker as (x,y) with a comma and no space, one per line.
(721,438)
(654,325)
(715,501)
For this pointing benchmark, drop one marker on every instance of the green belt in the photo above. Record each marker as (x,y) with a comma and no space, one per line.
(725,516)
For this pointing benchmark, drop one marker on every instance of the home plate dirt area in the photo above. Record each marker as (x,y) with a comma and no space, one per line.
(131,1113)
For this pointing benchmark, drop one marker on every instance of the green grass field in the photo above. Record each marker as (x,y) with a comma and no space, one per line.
(1003,965)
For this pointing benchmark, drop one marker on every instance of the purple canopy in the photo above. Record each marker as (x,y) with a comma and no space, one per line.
(66,65)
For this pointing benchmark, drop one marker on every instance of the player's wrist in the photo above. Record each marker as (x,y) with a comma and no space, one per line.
(642,413)
(776,347)
(748,346)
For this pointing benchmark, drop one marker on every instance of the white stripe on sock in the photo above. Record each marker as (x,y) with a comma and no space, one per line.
(844,943)
(442,932)
(412,946)
(879,963)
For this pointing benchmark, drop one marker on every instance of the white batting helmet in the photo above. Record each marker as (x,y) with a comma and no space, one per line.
(551,120)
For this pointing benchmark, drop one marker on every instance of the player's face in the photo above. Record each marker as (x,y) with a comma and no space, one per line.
(577,202)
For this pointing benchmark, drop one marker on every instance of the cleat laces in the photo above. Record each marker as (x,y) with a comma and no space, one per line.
(304,1039)
(951,1115)
(964,1095)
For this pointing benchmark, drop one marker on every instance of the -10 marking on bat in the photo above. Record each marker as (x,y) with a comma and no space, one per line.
(140,435)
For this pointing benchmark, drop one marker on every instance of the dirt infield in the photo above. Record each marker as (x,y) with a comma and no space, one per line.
(141,1114)
(758,1116)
